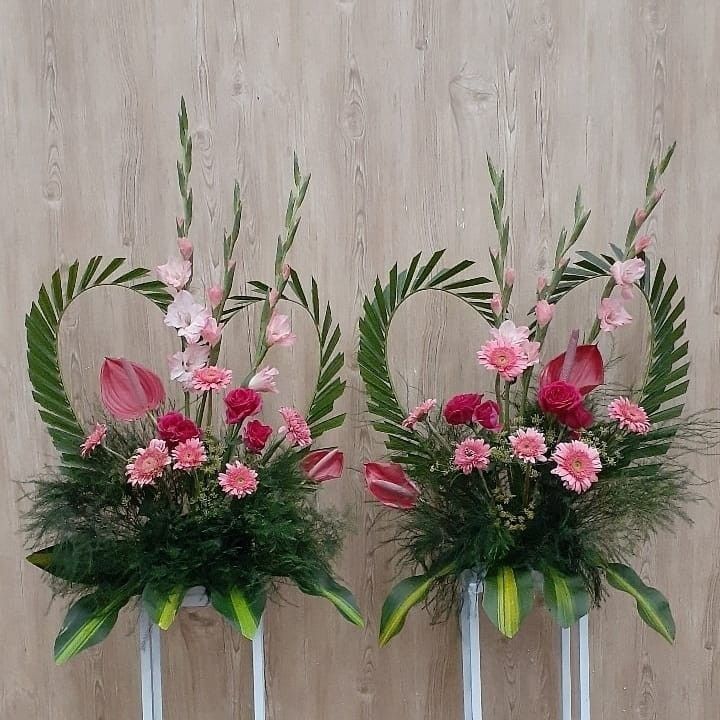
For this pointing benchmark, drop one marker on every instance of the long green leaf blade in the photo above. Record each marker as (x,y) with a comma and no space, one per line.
(242,609)
(565,597)
(508,598)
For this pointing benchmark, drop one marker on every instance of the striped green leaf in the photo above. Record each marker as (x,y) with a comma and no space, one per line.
(88,622)
(508,598)
(243,609)
(652,606)
(322,585)
(565,597)
(162,605)
(403,597)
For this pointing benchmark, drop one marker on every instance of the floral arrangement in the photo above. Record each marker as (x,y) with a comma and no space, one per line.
(158,498)
(556,477)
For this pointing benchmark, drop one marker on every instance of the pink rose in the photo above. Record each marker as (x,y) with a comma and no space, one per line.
(459,409)
(240,404)
(487,414)
(173,427)
(558,397)
(256,436)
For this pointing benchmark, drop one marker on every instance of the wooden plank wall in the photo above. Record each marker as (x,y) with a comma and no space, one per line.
(392,104)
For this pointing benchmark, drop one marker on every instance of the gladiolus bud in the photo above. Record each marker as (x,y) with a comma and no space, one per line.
(278,331)
(657,195)
(642,243)
(185,247)
(510,276)
(640,216)
(215,295)
(129,390)
(285,271)
(389,483)
(323,465)
(544,312)
(496,304)
(212,332)
(541,283)
(273,297)
(264,380)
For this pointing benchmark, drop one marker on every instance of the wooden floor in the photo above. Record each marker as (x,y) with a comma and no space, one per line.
(392,105)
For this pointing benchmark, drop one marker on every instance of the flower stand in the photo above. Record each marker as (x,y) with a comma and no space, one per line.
(151,665)
(472,677)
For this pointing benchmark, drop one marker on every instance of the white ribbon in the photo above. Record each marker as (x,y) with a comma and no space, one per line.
(151,667)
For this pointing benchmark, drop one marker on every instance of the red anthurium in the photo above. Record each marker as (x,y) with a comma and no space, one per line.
(389,483)
(322,465)
(567,379)
(129,390)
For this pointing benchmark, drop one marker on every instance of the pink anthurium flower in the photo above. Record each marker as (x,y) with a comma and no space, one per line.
(129,390)
(322,465)
(389,483)
(567,379)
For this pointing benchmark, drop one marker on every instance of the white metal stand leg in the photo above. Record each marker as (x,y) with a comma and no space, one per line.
(470,635)
(584,668)
(258,653)
(151,667)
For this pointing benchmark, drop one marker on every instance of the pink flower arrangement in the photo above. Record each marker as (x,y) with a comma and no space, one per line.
(472,454)
(238,480)
(629,415)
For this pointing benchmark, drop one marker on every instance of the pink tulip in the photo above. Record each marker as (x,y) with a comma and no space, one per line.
(215,295)
(185,247)
(278,331)
(129,390)
(322,465)
(389,483)
(544,312)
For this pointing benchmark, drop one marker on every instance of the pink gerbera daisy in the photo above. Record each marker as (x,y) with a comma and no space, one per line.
(472,454)
(418,414)
(189,455)
(93,439)
(577,465)
(295,427)
(238,479)
(211,377)
(148,463)
(529,445)
(504,358)
(629,415)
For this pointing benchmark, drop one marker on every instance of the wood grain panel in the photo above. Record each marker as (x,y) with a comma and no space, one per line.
(392,106)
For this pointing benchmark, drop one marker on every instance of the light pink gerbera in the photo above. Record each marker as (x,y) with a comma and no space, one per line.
(238,480)
(210,378)
(509,353)
(577,465)
(189,455)
(472,454)
(529,445)
(295,427)
(94,439)
(148,463)
(419,413)
(629,415)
